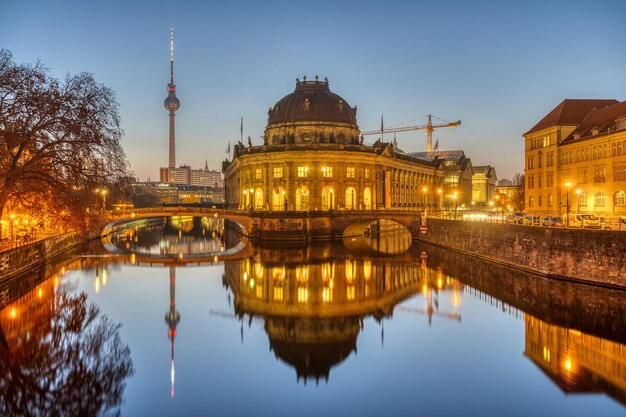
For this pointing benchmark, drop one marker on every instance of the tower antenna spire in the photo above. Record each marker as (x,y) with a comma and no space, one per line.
(171,55)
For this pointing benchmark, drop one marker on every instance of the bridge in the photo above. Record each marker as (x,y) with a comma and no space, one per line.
(277,225)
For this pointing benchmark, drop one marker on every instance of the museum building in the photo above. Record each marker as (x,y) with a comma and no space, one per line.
(313,158)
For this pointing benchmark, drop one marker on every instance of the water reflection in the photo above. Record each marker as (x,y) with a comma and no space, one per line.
(380,236)
(60,356)
(575,361)
(313,300)
(178,236)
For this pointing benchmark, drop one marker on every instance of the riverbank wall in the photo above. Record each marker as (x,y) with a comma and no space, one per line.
(591,256)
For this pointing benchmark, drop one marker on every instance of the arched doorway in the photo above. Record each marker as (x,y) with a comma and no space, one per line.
(367,198)
(350,198)
(328,198)
(302,198)
(258,199)
(278,199)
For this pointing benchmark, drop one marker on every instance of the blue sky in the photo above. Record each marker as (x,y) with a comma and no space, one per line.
(498,66)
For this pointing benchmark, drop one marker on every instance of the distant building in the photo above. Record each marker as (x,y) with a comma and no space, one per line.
(576,154)
(185,175)
(180,193)
(483,186)
(505,182)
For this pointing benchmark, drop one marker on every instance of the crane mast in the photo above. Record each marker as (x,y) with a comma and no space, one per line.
(429,127)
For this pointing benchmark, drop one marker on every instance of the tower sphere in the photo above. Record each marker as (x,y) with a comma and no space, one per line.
(171,103)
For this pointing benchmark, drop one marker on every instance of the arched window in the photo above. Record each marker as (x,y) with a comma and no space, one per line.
(350,198)
(258,199)
(531,200)
(550,200)
(302,198)
(582,199)
(328,198)
(619,198)
(600,199)
(278,199)
(540,200)
(367,198)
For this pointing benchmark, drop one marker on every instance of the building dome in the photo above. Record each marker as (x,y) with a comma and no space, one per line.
(311,114)
(312,101)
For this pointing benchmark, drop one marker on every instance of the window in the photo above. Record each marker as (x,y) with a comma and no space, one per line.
(258,174)
(582,199)
(303,172)
(350,172)
(530,201)
(540,160)
(619,172)
(540,200)
(278,172)
(327,172)
(550,159)
(582,176)
(539,181)
(600,199)
(550,179)
(599,174)
(620,198)
(367,173)
(550,200)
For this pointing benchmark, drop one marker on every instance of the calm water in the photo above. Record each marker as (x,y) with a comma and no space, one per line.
(168,321)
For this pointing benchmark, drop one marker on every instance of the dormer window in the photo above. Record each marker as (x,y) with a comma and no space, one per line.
(340,105)
(594,131)
(576,135)
(307,104)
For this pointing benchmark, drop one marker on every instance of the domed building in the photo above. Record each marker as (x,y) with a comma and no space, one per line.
(313,158)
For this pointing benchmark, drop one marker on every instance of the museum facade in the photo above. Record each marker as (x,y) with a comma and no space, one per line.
(313,158)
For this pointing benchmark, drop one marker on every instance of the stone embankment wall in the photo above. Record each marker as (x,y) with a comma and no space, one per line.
(23,258)
(597,256)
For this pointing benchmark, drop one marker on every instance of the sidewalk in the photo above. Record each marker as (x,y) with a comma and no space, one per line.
(18,241)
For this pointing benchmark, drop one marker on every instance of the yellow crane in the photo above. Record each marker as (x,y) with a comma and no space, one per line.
(429,127)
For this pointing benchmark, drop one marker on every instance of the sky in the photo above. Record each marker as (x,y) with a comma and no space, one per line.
(499,66)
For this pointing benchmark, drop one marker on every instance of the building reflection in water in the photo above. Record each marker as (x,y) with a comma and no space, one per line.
(59,355)
(313,300)
(172,317)
(575,361)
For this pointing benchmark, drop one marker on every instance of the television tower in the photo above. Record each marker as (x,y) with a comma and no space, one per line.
(172,103)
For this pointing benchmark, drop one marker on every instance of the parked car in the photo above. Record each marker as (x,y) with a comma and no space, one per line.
(532,220)
(518,217)
(588,221)
(552,221)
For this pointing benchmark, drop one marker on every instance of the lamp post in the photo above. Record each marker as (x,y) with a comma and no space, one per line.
(440,192)
(497,197)
(425,190)
(578,193)
(567,186)
(245,199)
(455,197)
(251,196)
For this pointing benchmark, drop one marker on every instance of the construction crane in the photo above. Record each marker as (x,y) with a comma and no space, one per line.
(428,127)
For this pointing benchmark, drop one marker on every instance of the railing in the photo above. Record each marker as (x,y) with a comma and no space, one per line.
(18,241)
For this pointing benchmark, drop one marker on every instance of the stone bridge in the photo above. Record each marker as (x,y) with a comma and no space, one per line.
(279,225)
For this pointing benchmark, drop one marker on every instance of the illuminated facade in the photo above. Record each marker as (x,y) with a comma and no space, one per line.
(577,154)
(576,361)
(313,158)
(483,186)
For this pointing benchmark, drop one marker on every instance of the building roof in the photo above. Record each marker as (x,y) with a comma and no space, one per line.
(570,112)
(597,122)
(312,101)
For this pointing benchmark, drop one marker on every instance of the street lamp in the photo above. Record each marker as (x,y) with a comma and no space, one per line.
(425,190)
(251,197)
(578,193)
(455,197)
(440,192)
(567,186)
(245,199)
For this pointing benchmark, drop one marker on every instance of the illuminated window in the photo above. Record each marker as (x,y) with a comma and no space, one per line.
(278,293)
(303,294)
(582,199)
(350,292)
(599,174)
(327,294)
(258,174)
(367,173)
(620,198)
(303,172)
(582,176)
(327,172)
(600,199)
(619,172)
(278,172)
(350,173)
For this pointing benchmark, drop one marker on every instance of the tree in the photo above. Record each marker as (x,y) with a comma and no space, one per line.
(518,197)
(72,364)
(59,140)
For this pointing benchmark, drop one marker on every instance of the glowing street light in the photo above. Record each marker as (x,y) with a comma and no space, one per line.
(567,187)
(425,190)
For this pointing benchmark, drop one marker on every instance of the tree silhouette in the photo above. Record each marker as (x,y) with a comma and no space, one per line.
(74,365)
(59,140)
